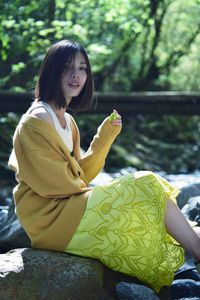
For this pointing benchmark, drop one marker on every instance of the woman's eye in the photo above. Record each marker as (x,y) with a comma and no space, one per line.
(83,69)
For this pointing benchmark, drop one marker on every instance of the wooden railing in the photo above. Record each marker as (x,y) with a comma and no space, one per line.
(171,103)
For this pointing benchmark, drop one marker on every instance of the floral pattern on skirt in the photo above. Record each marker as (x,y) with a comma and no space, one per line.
(123,227)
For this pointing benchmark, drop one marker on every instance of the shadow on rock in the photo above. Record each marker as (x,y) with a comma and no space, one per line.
(12,235)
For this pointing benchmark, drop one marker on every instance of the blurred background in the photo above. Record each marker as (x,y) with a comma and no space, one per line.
(133,45)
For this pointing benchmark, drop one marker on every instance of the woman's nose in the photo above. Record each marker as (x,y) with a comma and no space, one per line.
(75,74)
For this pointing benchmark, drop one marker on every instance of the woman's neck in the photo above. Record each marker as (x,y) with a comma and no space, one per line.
(59,111)
(60,114)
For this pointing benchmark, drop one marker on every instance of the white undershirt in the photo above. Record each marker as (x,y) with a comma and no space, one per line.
(65,133)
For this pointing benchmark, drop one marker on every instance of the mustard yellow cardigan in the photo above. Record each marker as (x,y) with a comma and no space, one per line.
(52,190)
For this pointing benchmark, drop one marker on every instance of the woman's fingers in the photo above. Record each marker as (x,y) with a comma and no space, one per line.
(117,122)
(115,118)
(116,113)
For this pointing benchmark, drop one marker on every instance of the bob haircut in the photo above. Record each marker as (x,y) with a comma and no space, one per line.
(48,87)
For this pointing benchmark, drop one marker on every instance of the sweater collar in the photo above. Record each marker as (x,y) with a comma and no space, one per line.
(37,123)
(48,130)
(43,126)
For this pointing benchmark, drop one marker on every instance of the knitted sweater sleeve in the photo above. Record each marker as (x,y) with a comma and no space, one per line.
(93,159)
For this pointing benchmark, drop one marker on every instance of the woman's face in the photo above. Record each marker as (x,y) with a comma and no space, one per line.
(74,77)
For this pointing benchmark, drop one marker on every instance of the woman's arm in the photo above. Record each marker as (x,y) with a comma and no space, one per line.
(94,159)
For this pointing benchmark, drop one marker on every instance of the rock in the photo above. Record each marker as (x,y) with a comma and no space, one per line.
(113,278)
(187,271)
(182,288)
(190,298)
(12,235)
(5,195)
(193,298)
(132,291)
(191,210)
(47,275)
(187,192)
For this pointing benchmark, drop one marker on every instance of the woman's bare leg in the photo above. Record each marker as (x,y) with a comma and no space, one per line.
(197,231)
(178,227)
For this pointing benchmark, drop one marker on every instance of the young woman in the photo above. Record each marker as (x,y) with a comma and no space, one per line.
(131,224)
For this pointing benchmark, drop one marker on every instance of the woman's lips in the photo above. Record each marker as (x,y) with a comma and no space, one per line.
(73,85)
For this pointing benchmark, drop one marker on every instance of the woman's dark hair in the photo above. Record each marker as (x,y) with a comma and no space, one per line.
(49,88)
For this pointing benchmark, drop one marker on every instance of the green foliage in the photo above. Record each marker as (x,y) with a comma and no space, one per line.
(133,44)
(165,143)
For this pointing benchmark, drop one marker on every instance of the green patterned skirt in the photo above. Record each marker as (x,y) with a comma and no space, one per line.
(123,227)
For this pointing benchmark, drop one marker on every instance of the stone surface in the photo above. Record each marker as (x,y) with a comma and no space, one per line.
(185,288)
(191,210)
(190,298)
(131,291)
(113,278)
(187,271)
(47,275)
(187,192)
(12,235)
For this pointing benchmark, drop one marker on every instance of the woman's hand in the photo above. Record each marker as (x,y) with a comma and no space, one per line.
(115,118)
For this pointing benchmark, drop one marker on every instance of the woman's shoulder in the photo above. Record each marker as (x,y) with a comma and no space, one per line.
(41,113)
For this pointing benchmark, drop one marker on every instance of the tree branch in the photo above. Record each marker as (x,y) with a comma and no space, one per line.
(175,56)
(51,11)
(153,70)
(101,76)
